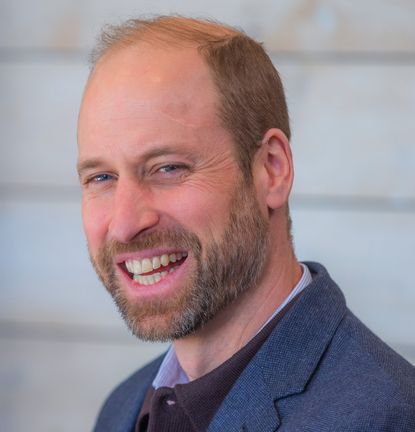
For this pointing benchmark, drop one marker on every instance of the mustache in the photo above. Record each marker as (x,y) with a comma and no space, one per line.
(179,238)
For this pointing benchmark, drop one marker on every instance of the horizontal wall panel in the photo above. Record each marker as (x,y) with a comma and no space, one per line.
(339,25)
(46,272)
(371,256)
(47,278)
(39,108)
(352,128)
(300,25)
(60,386)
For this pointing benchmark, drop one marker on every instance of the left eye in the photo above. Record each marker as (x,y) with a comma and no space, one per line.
(170,168)
(170,172)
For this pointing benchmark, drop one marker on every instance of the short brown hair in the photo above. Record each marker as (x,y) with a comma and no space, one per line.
(251,94)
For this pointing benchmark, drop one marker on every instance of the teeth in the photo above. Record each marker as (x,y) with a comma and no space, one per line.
(150,279)
(144,280)
(136,267)
(156,262)
(164,260)
(129,265)
(148,264)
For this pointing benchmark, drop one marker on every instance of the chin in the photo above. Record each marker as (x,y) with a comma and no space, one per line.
(160,326)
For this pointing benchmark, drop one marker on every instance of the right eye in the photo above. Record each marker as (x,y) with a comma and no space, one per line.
(98,179)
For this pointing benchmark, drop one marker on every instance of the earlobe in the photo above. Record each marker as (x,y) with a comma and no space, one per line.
(277,159)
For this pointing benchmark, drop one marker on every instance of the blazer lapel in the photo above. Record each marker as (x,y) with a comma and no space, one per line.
(285,363)
(120,411)
(248,407)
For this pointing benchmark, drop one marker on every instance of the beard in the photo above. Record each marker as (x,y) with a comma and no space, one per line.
(222,271)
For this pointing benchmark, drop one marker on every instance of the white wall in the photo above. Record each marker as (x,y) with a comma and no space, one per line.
(349,70)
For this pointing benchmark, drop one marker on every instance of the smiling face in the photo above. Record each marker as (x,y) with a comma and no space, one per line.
(173,230)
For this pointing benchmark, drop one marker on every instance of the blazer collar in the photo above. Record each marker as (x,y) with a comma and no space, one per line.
(126,401)
(284,364)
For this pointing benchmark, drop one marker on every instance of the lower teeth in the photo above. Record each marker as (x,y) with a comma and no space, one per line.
(153,278)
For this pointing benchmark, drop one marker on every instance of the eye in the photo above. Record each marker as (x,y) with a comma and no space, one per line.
(101,178)
(98,179)
(168,173)
(170,168)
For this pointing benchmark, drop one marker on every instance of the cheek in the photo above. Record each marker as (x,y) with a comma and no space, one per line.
(202,213)
(95,222)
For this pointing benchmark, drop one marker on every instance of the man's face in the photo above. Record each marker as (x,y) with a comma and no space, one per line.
(173,231)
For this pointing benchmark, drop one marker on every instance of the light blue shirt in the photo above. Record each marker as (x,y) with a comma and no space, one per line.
(171,373)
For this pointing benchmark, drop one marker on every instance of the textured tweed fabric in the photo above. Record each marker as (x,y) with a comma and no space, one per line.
(321,370)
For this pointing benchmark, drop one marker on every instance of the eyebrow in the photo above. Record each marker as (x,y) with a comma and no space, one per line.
(88,164)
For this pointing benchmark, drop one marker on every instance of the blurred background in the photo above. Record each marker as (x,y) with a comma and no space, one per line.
(349,73)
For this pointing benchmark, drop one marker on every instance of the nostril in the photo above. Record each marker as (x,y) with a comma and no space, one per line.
(129,222)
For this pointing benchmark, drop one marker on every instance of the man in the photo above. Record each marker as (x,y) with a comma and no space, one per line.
(186,169)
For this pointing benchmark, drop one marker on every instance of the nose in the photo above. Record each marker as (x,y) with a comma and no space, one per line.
(133,211)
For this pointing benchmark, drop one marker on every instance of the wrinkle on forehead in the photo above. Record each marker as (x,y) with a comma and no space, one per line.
(166,114)
(188,122)
(176,85)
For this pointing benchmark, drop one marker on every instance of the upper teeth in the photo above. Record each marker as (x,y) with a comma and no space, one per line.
(148,264)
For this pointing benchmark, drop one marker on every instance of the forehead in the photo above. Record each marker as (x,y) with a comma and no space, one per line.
(174,82)
(141,97)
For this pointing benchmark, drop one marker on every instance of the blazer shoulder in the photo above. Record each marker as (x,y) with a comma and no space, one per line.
(373,364)
(126,399)
(360,384)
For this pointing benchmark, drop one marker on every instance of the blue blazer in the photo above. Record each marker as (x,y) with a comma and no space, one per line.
(321,370)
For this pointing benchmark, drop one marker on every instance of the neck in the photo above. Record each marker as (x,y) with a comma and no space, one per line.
(232,328)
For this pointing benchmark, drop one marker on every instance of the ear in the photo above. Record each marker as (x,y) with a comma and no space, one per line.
(274,165)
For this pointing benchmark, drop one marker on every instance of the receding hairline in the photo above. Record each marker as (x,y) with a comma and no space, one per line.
(174,31)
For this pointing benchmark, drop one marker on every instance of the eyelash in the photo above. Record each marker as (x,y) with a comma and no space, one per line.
(166,169)
(98,178)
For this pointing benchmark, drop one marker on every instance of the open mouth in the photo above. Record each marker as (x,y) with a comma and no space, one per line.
(151,270)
